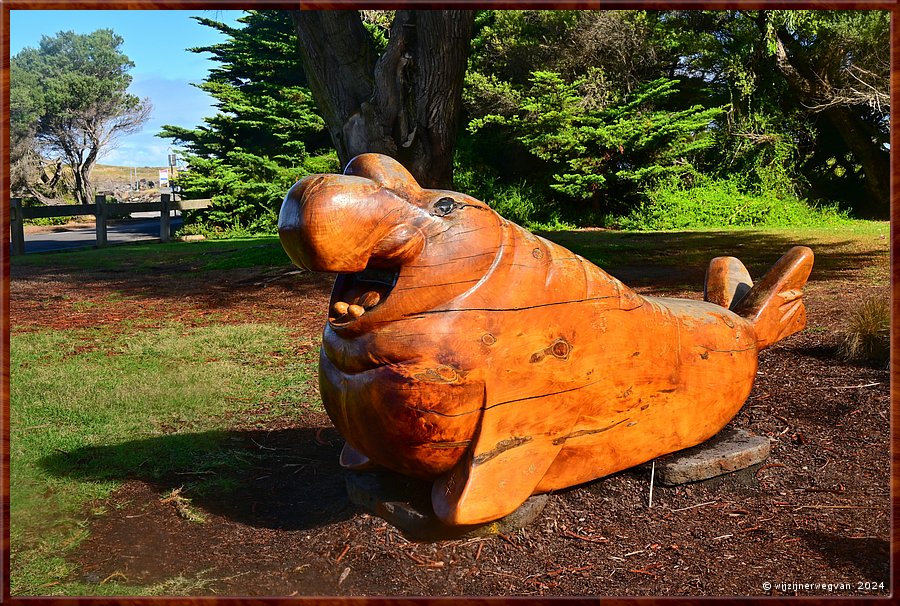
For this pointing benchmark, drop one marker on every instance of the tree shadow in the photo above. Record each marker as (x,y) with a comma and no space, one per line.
(659,260)
(869,555)
(285,479)
(680,259)
(211,275)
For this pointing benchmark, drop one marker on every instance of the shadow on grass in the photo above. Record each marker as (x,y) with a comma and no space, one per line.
(680,259)
(223,272)
(286,479)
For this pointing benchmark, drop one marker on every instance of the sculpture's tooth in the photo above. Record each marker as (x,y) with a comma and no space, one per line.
(355,311)
(340,308)
(369,299)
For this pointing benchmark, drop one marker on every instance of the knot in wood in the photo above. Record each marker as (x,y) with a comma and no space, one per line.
(560,348)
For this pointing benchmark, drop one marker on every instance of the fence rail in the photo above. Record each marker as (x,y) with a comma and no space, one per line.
(101,210)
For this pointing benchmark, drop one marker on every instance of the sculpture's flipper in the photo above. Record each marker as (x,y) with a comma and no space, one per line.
(775,305)
(515,447)
(727,282)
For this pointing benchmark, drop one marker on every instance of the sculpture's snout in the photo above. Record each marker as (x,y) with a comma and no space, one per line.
(339,223)
(290,223)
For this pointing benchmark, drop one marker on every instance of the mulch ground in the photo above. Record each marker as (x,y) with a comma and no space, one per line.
(817,512)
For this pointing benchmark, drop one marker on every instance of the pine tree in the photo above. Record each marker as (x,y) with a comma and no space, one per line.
(607,152)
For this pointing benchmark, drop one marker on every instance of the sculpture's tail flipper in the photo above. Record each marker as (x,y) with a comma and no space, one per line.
(775,304)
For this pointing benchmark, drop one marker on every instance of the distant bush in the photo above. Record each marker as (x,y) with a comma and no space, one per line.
(721,203)
(553,224)
(867,335)
(215,232)
(44,222)
(50,221)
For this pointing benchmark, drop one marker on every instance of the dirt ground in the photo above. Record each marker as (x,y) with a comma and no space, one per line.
(817,512)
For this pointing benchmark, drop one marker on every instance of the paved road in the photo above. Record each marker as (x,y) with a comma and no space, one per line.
(120,231)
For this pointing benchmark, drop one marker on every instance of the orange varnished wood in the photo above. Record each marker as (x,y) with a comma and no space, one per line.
(463,349)
(727,282)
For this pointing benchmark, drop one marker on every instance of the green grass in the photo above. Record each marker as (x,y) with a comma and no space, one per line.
(722,204)
(77,396)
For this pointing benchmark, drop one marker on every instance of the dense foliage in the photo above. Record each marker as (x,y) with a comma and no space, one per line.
(267,133)
(640,119)
(605,114)
(808,97)
(604,154)
(68,101)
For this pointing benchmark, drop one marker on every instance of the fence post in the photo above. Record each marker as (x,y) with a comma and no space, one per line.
(164,218)
(101,213)
(16,226)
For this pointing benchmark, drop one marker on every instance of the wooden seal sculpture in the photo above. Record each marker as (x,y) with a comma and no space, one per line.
(462,349)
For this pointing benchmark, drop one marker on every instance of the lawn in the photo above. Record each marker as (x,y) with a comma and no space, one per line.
(170,379)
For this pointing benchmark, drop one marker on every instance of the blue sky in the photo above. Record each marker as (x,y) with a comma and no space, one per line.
(156,41)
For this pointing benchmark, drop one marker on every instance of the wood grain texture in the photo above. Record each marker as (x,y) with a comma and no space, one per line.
(463,349)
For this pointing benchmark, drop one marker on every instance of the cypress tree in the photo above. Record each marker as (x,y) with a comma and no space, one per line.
(266,134)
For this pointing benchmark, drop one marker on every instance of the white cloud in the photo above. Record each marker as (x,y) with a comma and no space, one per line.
(140,149)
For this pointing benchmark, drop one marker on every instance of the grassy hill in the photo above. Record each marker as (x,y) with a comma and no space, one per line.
(122,174)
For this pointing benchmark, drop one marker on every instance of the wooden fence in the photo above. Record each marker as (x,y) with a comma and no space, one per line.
(101,210)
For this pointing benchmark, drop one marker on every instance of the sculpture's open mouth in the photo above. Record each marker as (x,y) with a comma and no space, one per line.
(356,294)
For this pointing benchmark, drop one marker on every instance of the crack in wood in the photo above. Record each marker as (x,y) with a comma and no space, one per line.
(468,412)
(501,447)
(585,432)
(439,445)
(503,309)
(437,285)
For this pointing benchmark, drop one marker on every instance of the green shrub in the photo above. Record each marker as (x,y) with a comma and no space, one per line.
(47,221)
(246,190)
(605,152)
(555,223)
(214,232)
(721,203)
(50,221)
(517,202)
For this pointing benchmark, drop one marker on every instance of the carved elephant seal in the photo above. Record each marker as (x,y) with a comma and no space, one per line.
(461,348)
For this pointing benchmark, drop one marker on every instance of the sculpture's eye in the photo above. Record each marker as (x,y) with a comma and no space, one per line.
(444,207)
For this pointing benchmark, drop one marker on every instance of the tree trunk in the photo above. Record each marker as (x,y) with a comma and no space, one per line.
(81,186)
(82,167)
(404,104)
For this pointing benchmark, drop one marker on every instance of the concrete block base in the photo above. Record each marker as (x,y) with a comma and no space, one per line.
(729,451)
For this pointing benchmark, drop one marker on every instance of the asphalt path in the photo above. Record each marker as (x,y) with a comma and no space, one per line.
(120,231)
